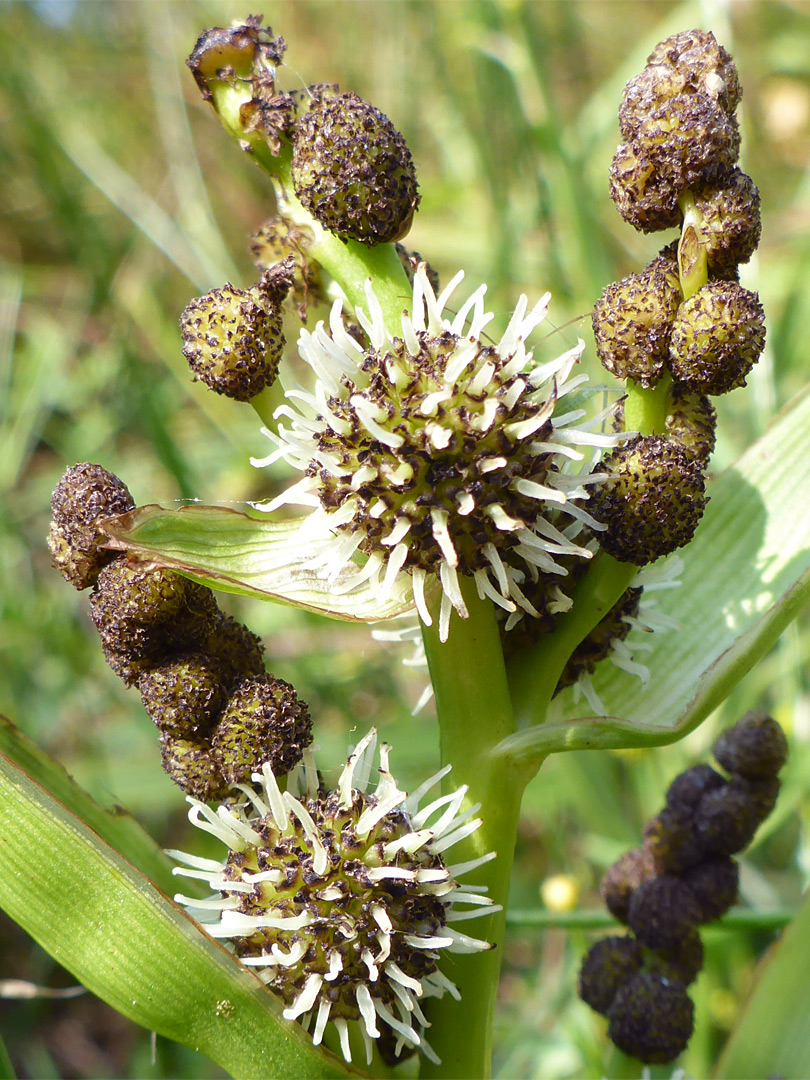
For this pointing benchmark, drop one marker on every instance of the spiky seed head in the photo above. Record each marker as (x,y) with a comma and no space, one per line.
(233,341)
(237,650)
(671,840)
(279,239)
(607,966)
(652,501)
(689,787)
(717,337)
(350,902)
(705,67)
(662,911)
(184,694)
(715,885)
(646,198)
(731,225)
(85,495)
(623,878)
(755,747)
(652,1018)
(615,627)
(189,762)
(264,721)
(353,170)
(727,818)
(692,421)
(632,322)
(680,964)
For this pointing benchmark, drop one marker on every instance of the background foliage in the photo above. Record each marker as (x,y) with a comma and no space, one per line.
(122,199)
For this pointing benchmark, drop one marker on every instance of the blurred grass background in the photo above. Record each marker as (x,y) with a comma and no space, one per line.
(122,199)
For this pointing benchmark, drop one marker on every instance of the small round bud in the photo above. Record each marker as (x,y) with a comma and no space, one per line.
(671,840)
(232,343)
(692,421)
(717,337)
(695,57)
(731,225)
(662,911)
(683,963)
(645,198)
(237,650)
(183,694)
(632,322)
(615,626)
(714,884)
(754,747)
(607,966)
(85,495)
(264,722)
(623,878)
(353,171)
(279,239)
(728,817)
(652,1019)
(689,787)
(190,763)
(652,501)
(690,139)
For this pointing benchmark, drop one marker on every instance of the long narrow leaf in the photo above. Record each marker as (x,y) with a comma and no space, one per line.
(126,942)
(236,553)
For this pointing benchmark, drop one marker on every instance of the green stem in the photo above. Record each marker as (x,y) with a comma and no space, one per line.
(736,919)
(475,713)
(266,403)
(534,672)
(645,411)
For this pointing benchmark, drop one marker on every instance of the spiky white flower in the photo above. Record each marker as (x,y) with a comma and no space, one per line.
(341,900)
(435,454)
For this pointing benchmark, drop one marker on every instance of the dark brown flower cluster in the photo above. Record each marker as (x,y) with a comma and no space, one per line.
(200,673)
(680,878)
(685,319)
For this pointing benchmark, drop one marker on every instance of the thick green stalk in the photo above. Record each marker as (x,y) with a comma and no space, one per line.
(693,264)
(645,411)
(475,712)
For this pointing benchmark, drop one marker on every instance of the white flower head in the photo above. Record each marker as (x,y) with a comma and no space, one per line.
(436,454)
(341,900)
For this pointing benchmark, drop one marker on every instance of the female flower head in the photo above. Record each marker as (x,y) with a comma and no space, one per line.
(436,454)
(341,900)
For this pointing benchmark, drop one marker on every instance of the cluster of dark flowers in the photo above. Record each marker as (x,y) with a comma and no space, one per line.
(200,673)
(681,877)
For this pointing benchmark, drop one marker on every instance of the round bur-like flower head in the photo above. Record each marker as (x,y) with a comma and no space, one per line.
(730,225)
(692,421)
(85,495)
(646,199)
(693,60)
(233,341)
(653,500)
(717,337)
(341,900)
(436,455)
(353,170)
(755,747)
(651,1018)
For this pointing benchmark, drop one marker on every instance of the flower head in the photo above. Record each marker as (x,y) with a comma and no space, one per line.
(341,900)
(437,454)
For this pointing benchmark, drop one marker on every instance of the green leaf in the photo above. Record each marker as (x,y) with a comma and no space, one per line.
(772,1037)
(746,576)
(236,553)
(128,943)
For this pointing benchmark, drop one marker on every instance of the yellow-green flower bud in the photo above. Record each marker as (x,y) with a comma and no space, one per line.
(353,170)
(233,340)
(190,763)
(692,421)
(85,495)
(717,337)
(731,227)
(184,694)
(651,1018)
(646,199)
(632,322)
(237,650)
(264,722)
(652,501)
